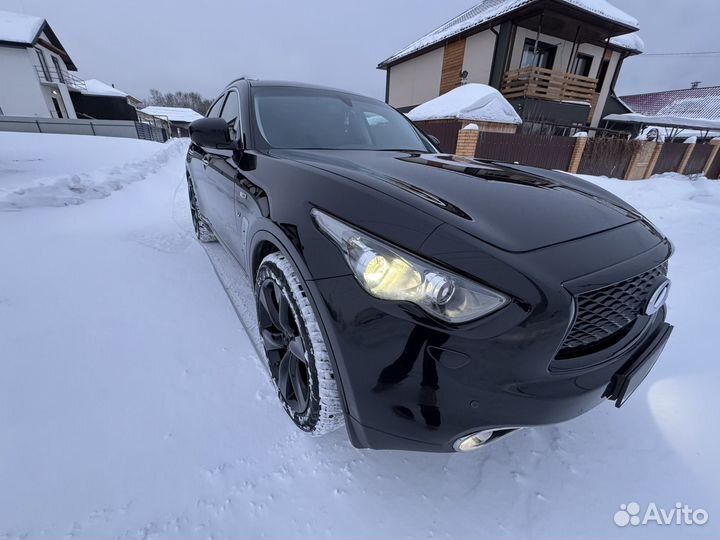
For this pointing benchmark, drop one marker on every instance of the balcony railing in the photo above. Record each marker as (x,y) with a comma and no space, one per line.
(548,84)
(54,76)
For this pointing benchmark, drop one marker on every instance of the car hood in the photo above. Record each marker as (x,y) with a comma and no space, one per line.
(503,205)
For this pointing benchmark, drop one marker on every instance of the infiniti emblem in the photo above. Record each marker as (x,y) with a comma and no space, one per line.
(658,298)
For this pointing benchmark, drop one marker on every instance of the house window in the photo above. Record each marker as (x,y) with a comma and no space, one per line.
(58,109)
(43,65)
(602,74)
(583,62)
(545,57)
(58,70)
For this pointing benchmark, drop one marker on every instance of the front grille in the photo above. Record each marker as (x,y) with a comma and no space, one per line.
(605,315)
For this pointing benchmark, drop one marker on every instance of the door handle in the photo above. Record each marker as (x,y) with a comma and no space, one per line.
(206,161)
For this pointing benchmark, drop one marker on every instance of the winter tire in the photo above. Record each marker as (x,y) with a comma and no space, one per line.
(202,229)
(295,350)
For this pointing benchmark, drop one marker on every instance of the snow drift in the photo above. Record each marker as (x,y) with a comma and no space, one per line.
(473,102)
(133,403)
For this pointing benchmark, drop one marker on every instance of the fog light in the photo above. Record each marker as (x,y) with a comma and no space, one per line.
(474,441)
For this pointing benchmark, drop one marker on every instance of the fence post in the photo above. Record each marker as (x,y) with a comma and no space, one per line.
(716,144)
(640,161)
(576,158)
(467,141)
(686,158)
(653,160)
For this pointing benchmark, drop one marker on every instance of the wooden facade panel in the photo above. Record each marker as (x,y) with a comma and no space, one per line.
(453,59)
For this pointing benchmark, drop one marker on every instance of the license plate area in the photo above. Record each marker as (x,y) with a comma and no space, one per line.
(630,376)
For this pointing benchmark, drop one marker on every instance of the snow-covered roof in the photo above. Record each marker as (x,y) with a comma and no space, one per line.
(174,114)
(666,120)
(94,87)
(688,103)
(631,42)
(488,10)
(19,28)
(472,102)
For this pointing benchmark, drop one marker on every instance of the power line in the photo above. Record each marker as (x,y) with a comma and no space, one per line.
(698,53)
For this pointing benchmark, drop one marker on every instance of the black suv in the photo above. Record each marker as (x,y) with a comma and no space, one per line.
(428,302)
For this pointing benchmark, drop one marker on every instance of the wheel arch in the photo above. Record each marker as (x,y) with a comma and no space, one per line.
(265,242)
(269,239)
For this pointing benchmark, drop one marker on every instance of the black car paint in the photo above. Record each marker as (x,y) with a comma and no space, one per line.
(410,381)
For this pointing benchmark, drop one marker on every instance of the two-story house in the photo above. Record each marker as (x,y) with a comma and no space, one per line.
(556,61)
(35,69)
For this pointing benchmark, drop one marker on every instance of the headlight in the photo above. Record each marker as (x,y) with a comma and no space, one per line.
(391,274)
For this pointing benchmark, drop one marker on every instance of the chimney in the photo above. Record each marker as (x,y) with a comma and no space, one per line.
(695,84)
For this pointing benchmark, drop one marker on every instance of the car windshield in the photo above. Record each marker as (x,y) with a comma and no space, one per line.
(308,118)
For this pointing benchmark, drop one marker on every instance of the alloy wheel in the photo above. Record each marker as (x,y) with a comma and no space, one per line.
(284,346)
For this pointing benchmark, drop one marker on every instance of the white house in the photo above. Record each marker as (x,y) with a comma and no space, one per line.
(556,61)
(36,72)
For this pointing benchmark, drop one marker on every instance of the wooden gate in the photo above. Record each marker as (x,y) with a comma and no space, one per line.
(545,151)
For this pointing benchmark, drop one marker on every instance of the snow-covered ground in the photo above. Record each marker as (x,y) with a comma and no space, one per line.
(133,403)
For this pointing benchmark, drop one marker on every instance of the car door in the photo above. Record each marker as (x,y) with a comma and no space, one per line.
(221,170)
(200,158)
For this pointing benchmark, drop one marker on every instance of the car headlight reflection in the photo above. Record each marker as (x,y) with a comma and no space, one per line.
(390,273)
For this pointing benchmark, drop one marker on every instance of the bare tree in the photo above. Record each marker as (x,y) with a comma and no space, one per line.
(190,100)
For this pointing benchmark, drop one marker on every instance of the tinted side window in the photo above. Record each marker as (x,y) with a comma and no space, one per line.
(231,113)
(214,111)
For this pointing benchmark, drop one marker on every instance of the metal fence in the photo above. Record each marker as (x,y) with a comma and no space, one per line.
(607,157)
(670,158)
(698,159)
(546,151)
(714,169)
(150,132)
(445,130)
(104,128)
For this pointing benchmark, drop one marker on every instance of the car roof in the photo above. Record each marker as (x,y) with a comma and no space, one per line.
(293,84)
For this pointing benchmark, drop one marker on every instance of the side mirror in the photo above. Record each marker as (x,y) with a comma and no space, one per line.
(434,140)
(210,133)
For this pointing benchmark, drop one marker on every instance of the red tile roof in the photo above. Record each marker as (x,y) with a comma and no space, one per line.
(688,103)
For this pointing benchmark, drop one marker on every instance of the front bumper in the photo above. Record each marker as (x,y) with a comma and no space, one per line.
(411,383)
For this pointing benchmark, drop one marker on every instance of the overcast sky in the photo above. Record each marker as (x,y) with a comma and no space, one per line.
(201,45)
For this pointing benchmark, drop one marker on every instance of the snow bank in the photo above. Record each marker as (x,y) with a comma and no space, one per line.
(18,27)
(133,404)
(38,169)
(472,102)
